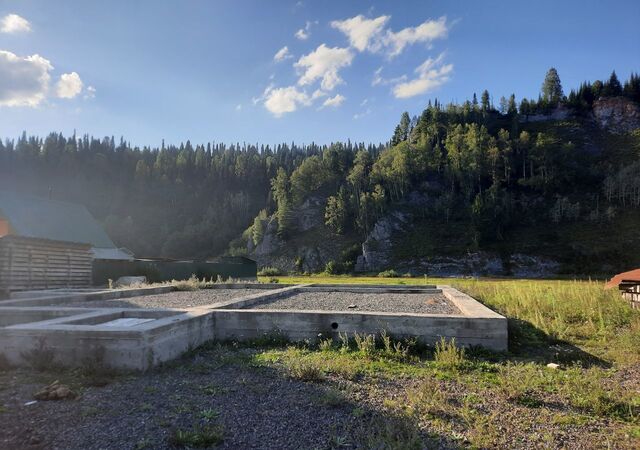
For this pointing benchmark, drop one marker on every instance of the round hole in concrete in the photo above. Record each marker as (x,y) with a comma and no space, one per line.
(334,325)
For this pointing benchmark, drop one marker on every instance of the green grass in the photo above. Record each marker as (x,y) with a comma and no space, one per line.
(200,436)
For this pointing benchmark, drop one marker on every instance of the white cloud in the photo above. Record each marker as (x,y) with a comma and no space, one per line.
(304,33)
(379,79)
(282,54)
(279,101)
(362,114)
(69,85)
(239,107)
(90,92)
(426,32)
(334,101)
(323,63)
(317,94)
(24,81)
(13,23)
(361,31)
(431,74)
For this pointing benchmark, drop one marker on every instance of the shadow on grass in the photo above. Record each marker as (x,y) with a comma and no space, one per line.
(529,343)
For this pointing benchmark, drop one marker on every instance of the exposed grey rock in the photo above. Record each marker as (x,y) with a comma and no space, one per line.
(616,114)
(376,249)
(310,214)
(528,266)
(560,113)
(483,264)
(130,281)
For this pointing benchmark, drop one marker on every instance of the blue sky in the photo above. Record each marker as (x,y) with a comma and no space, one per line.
(207,70)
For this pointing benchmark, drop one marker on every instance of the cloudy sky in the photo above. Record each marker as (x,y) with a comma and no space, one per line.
(282,71)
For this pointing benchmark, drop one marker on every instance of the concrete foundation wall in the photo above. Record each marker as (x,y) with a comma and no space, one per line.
(138,339)
(241,325)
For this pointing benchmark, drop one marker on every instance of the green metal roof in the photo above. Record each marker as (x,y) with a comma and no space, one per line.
(36,217)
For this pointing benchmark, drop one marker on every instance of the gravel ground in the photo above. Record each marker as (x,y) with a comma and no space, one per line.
(387,302)
(260,406)
(177,299)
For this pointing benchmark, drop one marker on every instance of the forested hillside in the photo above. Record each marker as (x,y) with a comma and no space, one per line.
(548,176)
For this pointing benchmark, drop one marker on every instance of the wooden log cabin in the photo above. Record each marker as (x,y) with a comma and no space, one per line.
(49,244)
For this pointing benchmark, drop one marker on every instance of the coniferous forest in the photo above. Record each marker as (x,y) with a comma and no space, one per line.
(500,173)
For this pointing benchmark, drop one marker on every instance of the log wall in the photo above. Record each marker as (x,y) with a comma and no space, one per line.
(27,264)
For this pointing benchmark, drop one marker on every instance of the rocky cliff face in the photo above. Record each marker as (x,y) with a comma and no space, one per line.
(616,114)
(311,245)
(377,248)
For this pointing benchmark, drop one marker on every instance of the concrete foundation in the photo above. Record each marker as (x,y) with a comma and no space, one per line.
(138,339)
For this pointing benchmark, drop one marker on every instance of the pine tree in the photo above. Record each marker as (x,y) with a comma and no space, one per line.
(503,105)
(512,109)
(552,88)
(612,88)
(405,123)
(632,87)
(484,100)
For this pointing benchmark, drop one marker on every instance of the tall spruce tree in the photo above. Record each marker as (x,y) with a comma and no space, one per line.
(612,88)
(552,88)
(484,101)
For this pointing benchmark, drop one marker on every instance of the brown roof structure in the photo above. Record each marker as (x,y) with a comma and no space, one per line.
(630,276)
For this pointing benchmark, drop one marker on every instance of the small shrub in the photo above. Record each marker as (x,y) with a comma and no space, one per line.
(407,275)
(428,399)
(210,414)
(332,398)
(388,274)
(344,342)
(325,345)
(274,280)
(448,355)
(201,436)
(388,432)
(349,256)
(333,268)
(366,343)
(192,284)
(270,272)
(394,349)
(306,371)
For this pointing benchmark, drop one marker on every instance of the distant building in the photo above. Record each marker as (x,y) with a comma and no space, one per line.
(49,243)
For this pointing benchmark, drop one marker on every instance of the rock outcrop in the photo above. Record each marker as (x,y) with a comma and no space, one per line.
(377,248)
(483,264)
(310,247)
(617,115)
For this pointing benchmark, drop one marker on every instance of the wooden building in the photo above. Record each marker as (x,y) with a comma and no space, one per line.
(629,285)
(46,244)
(29,264)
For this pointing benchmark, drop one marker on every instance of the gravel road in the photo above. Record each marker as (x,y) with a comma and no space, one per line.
(177,299)
(387,302)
